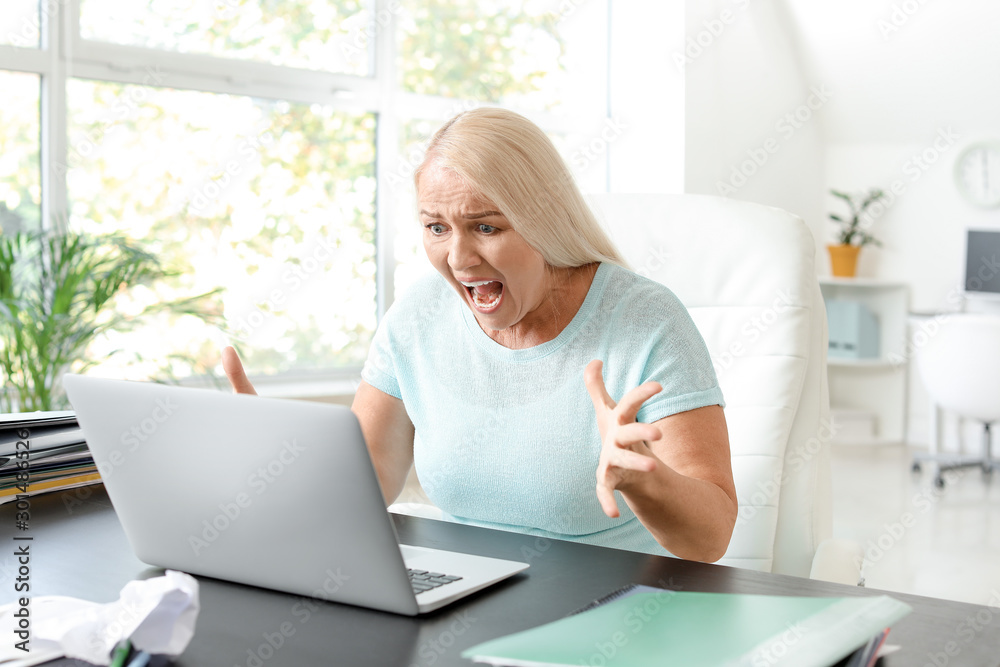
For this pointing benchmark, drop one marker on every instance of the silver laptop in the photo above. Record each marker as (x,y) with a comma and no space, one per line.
(274,493)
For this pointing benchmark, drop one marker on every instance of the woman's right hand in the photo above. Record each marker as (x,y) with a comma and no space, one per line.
(234,371)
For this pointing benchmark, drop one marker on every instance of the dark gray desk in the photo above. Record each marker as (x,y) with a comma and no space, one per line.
(80,550)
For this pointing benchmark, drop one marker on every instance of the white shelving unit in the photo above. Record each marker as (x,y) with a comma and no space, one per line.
(876,387)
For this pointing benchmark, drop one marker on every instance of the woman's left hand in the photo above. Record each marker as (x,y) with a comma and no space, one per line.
(626,458)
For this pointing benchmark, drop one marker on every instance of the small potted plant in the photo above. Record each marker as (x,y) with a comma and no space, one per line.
(853,233)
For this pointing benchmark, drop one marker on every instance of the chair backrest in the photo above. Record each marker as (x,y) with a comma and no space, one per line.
(746,274)
(960,365)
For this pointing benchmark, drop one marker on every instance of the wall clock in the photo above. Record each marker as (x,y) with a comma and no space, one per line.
(977,174)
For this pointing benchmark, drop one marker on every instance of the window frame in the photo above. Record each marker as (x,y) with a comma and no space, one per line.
(63,55)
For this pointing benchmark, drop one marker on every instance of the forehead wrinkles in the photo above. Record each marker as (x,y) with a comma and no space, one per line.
(462,202)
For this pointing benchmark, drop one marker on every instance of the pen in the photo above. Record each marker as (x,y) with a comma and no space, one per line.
(120,653)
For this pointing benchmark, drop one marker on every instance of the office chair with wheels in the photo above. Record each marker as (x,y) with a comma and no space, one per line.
(746,274)
(960,367)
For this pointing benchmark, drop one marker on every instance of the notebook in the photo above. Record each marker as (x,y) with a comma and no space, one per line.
(645,626)
(274,493)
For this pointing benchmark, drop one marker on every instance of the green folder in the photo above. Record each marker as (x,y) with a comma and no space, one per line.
(688,628)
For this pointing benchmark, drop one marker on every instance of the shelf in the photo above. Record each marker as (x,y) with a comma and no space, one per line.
(873,385)
(866,442)
(861,282)
(861,363)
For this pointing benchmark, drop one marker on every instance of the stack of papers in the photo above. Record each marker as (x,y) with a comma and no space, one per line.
(43,451)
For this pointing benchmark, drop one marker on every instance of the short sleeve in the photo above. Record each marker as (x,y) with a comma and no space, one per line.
(677,357)
(380,369)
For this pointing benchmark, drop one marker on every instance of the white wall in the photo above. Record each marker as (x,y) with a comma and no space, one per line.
(648,154)
(923,227)
(918,83)
(904,77)
(922,231)
(754,117)
(920,86)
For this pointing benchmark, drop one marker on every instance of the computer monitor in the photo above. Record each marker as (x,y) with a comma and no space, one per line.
(982,262)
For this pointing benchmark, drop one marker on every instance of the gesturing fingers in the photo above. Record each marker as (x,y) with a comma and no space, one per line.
(624,453)
(234,371)
(606,496)
(626,459)
(628,407)
(614,467)
(631,402)
(626,435)
(594,379)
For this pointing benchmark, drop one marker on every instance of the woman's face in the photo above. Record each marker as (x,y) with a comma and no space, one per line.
(500,277)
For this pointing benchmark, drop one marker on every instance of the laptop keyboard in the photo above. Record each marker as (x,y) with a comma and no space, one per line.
(423,581)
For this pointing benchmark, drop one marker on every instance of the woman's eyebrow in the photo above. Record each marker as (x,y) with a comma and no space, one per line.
(484,214)
(465,216)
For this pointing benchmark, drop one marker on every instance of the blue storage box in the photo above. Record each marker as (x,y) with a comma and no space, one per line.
(854,330)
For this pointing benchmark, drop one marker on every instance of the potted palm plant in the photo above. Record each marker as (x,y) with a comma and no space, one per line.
(853,233)
(58,293)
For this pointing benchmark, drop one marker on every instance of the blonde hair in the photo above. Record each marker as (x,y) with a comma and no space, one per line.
(511,162)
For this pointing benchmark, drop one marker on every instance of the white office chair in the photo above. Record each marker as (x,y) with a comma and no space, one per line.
(960,366)
(746,274)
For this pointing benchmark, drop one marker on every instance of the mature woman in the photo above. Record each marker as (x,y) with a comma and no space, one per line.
(534,358)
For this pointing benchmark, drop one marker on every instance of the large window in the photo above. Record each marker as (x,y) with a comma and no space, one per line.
(267,148)
(21,23)
(273,201)
(20,178)
(311,34)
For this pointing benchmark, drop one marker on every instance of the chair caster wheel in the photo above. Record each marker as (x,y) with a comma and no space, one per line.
(939,482)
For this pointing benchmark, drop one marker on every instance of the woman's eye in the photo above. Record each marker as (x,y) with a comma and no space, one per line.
(435,228)
(487,229)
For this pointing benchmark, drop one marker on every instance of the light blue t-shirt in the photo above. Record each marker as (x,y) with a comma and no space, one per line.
(507,438)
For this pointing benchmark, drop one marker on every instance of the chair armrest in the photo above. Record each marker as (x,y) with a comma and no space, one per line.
(839,561)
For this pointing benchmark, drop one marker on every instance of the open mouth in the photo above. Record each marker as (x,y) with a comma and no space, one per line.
(485,294)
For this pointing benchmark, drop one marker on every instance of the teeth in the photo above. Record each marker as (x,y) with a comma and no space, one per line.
(480,299)
(487,304)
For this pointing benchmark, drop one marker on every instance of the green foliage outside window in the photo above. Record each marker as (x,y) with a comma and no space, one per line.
(470,49)
(297,33)
(229,189)
(267,204)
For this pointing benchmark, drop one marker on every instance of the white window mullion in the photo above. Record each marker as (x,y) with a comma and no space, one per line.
(137,65)
(386,150)
(20,59)
(55,201)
